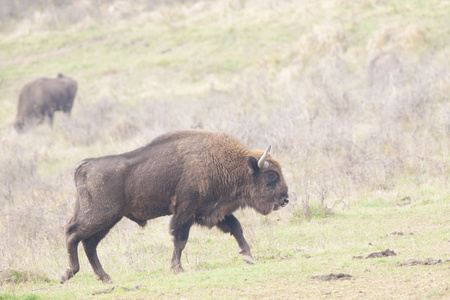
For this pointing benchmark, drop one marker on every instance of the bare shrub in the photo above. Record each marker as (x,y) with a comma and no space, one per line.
(55,14)
(384,69)
(340,129)
(18,167)
(89,127)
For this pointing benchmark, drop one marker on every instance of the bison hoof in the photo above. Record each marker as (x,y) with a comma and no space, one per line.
(178,269)
(67,275)
(105,278)
(247,256)
(248,259)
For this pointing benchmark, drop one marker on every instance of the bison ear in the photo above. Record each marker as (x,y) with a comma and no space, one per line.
(253,163)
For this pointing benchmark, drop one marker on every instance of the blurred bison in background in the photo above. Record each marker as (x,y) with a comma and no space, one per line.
(41,98)
(196,176)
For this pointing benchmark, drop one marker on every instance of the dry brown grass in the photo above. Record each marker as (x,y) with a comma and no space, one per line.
(333,144)
(355,111)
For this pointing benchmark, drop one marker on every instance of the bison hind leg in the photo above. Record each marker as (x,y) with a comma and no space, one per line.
(72,240)
(90,234)
(90,248)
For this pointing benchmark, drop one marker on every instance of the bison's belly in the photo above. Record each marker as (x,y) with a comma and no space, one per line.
(142,210)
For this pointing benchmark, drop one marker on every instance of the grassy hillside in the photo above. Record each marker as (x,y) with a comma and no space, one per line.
(352,95)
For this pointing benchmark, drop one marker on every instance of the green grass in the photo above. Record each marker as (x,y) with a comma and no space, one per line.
(7,296)
(246,42)
(331,246)
(287,256)
(370,161)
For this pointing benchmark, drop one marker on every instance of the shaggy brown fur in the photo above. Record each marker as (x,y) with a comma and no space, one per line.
(41,98)
(196,176)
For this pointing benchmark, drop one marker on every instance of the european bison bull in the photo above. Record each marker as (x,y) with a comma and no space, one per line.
(42,98)
(196,176)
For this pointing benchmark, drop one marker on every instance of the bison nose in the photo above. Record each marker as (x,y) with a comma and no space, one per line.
(285,202)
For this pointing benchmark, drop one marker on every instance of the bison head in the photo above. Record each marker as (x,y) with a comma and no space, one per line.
(268,190)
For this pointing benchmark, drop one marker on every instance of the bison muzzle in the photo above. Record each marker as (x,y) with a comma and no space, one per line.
(198,177)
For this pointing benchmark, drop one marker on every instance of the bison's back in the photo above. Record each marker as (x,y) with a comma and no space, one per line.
(185,166)
(62,90)
(46,94)
(195,168)
(98,187)
(134,183)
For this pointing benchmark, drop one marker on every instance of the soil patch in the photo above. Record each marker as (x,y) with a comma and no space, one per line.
(104,291)
(398,233)
(332,276)
(109,290)
(358,257)
(134,288)
(404,201)
(429,261)
(384,253)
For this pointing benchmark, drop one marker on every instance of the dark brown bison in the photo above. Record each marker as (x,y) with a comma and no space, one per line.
(41,98)
(196,176)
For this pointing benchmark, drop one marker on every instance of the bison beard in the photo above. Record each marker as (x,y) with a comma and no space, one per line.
(196,176)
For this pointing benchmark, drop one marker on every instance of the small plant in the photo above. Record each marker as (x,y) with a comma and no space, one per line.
(6,296)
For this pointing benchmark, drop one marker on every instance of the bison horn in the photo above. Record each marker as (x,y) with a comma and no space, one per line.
(262,164)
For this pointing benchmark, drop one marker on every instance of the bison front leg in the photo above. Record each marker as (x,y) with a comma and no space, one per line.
(180,230)
(231,224)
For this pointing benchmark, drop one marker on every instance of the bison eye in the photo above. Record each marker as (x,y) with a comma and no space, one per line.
(272,178)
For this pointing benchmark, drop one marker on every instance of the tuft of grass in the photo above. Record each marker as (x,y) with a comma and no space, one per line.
(22,276)
(6,296)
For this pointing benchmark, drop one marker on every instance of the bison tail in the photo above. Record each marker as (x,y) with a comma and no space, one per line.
(78,169)
(77,177)
(76,209)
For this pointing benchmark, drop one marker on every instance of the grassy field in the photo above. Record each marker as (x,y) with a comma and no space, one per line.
(352,95)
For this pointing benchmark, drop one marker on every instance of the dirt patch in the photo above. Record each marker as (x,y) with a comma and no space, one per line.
(109,290)
(428,262)
(404,201)
(332,276)
(358,257)
(104,291)
(134,288)
(384,253)
(398,233)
